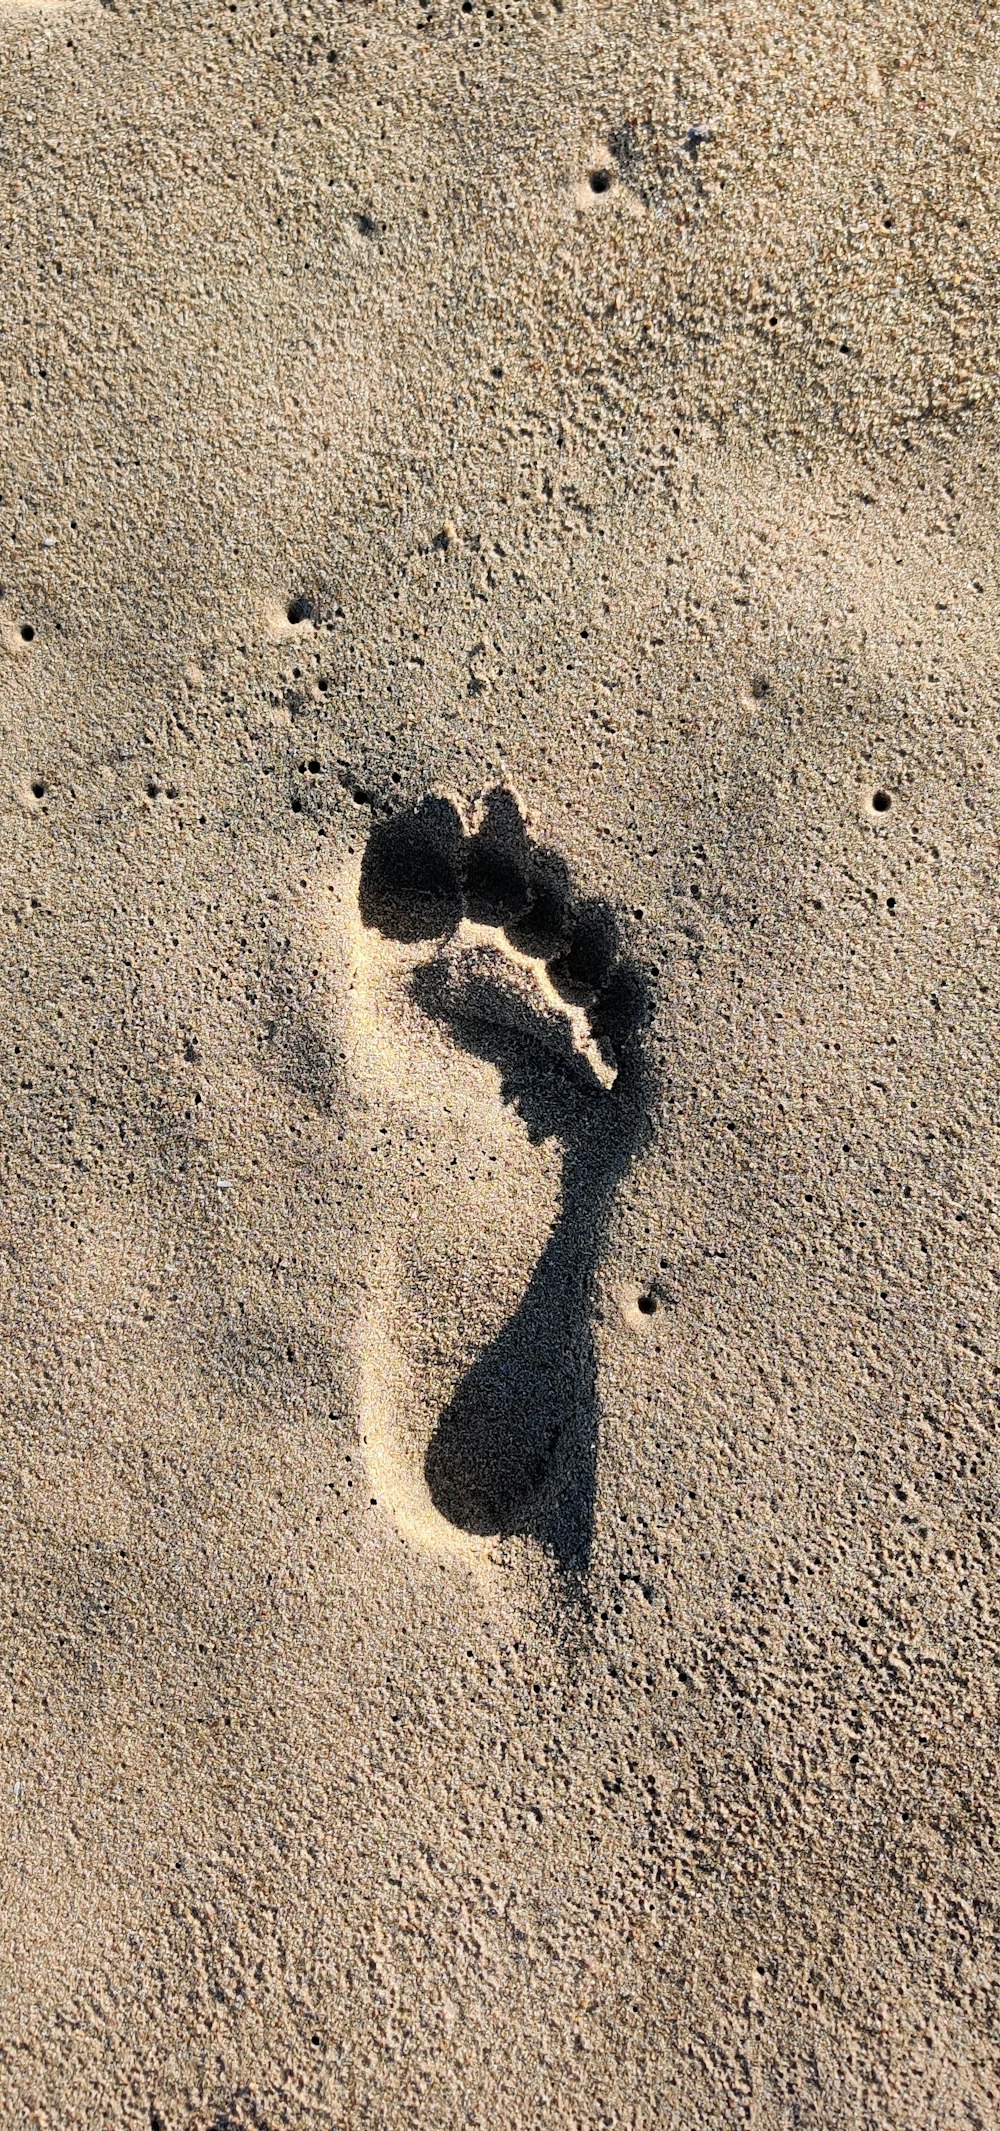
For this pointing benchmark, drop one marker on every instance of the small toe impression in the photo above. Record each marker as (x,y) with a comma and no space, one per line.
(411,873)
(619,1014)
(546,926)
(497,863)
(585,965)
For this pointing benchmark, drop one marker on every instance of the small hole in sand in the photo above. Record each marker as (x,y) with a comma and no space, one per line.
(301,610)
(881,802)
(646,1305)
(27,633)
(152,789)
(313,766)
(296,805)
(601,181)
(38,789)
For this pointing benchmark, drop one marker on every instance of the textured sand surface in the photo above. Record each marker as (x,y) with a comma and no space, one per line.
(499,1485)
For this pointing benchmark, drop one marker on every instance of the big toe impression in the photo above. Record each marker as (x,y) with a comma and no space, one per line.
(411,873)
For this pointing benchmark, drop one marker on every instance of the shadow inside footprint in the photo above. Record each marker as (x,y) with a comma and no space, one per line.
(411,873)
(515,1450)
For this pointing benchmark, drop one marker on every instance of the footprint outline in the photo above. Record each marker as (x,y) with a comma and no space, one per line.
(515,1449)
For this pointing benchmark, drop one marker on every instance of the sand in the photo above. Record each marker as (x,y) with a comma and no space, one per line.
(498,664)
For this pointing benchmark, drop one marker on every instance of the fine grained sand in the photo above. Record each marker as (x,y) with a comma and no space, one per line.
(499,1551)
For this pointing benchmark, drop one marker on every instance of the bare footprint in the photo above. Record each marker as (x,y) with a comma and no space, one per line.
(501,1084)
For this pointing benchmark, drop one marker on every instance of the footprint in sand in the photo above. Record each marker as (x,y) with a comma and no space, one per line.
(494,1036)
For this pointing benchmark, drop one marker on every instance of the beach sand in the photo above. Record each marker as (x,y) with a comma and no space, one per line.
(498,677)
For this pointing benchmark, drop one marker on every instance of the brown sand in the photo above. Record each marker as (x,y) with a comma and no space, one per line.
(607,394)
